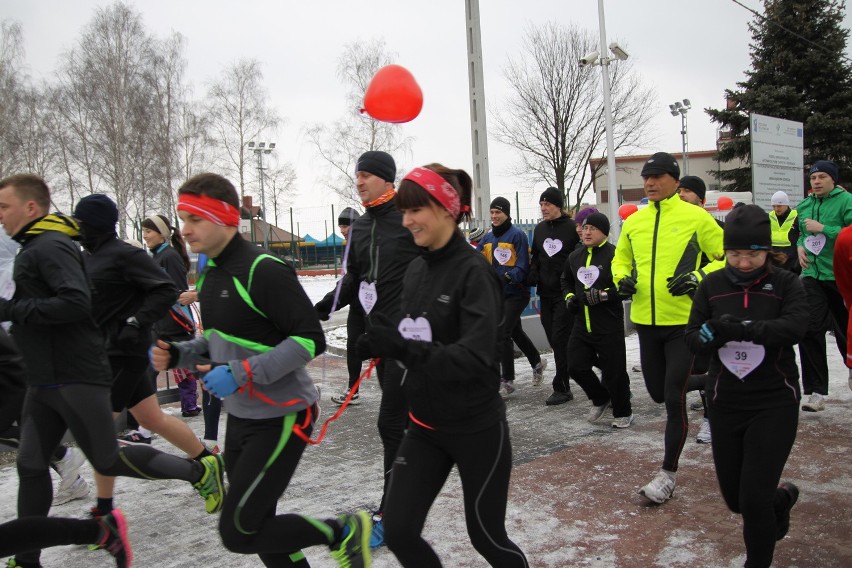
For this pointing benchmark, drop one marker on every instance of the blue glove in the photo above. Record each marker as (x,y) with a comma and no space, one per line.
(220,381)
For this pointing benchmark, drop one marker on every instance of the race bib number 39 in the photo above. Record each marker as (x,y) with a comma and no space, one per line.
(741,357)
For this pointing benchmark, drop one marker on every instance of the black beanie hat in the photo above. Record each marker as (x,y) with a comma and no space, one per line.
(347,216)
(661,163)
(694,184)
(552,195)
(377,163)
(503,205)
(747,228)
(98,211)
(599,221)
(826,167)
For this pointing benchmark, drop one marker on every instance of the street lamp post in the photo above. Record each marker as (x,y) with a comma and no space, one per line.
(595,58)
(259,151)
(678,108)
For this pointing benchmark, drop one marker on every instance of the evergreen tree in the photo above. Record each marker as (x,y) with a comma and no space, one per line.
(807,79)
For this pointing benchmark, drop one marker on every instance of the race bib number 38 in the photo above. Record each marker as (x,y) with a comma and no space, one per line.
(741,357)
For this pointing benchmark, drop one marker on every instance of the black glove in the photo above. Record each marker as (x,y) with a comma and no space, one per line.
(595,296)
(683,284)
(717,332)
(382,339)
(129,335)
(572,304)
(323,307)
(627,287)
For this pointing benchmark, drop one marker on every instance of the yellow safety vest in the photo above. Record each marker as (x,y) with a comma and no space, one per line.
(781,232)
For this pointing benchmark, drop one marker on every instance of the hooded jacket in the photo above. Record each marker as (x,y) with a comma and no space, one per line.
(51,311)
(835,212)
(663,240)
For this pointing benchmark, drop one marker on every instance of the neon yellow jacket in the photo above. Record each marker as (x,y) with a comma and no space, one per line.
(665,239)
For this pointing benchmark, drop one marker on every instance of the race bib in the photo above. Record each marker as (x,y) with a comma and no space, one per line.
(368,296)
(588,275)
(503,255)
(415,329)
(815,243)
(552,246)
(741,357)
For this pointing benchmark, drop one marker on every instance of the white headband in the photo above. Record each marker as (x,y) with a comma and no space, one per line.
(162,227)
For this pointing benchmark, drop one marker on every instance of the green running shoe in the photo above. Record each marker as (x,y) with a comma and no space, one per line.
(353,550)
(211,486)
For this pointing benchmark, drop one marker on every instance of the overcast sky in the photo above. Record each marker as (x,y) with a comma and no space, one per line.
(691,49)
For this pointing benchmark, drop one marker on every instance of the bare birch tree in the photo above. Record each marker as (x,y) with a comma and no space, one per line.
(554,115)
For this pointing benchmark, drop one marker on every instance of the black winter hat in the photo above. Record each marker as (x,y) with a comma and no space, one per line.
(552,195)
(98,211)
(598,221)
(661,163)
(826,167)
(377,163)
(347,216)
(503,205)
(694,184)
(747,228)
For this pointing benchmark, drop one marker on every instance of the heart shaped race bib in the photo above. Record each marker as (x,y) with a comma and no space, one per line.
(552,246)
(368,296)
(588,275)
(815,243)
(503,255)
(415,329)
(741,357)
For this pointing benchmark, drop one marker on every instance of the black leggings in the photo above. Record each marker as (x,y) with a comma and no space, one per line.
(33,533)
(557,326)
(260,458)
(750,449)
(425,459)
(666,362)
(85,410)
(393,416)
(511,330)
(355,327)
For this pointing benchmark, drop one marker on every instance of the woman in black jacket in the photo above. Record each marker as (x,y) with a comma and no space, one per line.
(447,339)
(748,316)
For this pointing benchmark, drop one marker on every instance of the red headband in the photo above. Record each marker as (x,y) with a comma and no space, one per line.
(210,208)
(439,188)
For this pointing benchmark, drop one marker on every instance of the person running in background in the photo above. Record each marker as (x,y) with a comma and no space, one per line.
(553,240)
(169,252)
(380,252)
(598,317)
(785,230)
(665,242)
(68,384)
(507,250)
(253,354)
(822,215)
(748,316)
(452,302)
(354,320)
(130,294)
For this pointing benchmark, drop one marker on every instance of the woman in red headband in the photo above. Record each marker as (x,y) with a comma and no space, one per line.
(451,301)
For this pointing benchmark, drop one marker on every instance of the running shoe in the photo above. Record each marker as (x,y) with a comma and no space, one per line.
(68,467)
(377,535)
(559,398)
(697,405)
(115,539)
(506,388)
(353,550)
(623,422)
(134,438)
(815,403)
(339,399)
(191,413)
(538,372)
(211,486)
(661,487)
(783,523)
(704,436)
(597,411)
(77,489)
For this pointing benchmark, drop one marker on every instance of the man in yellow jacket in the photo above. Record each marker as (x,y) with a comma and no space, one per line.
(664,242)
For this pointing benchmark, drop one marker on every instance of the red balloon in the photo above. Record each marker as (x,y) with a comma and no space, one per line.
(725,203)
(393,95)
(627,210)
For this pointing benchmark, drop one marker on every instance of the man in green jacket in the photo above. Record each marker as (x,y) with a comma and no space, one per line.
(822,215)
(665,241)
